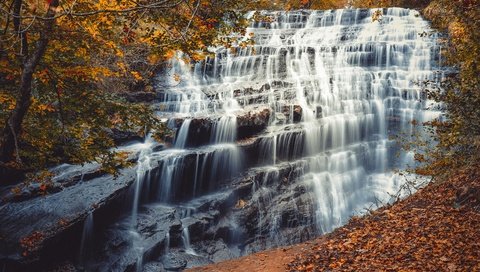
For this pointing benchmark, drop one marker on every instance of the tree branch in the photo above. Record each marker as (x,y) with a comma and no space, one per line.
(156,5)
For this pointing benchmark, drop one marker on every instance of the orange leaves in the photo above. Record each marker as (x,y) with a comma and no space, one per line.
(7,102)
(153,58)
(377,15)
(45,108)
(31,242)
(136,75)
(421,233)
(304,2)
(169,54)
(176,77)
(457,31)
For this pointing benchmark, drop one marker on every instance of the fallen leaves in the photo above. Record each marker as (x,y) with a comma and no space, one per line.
(31,242)
(422,233)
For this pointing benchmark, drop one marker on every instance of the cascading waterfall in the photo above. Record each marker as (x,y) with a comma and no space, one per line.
(182,134)
(186,241)
(303,119)
(225,130)
(87,240)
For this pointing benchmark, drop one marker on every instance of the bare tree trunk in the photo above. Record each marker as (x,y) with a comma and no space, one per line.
(13,125)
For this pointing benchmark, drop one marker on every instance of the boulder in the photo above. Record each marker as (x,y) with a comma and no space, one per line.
(126,246)
(46,229)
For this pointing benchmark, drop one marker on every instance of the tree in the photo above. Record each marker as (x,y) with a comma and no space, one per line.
(58,58)
(458,136)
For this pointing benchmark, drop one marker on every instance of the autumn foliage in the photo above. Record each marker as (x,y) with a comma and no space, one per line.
(66,65)
(434,230)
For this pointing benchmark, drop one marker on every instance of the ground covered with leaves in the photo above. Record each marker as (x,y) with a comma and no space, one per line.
(436,229)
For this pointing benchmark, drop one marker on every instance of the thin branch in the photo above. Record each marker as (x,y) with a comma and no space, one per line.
(8,18)
(191,19)
(156,5)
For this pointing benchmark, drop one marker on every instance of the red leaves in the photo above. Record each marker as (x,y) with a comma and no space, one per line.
(434,230)
(31,242)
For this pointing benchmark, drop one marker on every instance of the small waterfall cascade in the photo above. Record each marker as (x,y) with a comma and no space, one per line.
(285,140)
(143,167)
(182,134)
(186,241)
(87,240)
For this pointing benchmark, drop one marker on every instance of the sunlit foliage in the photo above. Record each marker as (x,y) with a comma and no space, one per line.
(64,65)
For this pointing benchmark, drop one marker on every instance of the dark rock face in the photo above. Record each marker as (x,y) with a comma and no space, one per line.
(248,124)
(119,249)
(252,123)
(39,231)
(174,262)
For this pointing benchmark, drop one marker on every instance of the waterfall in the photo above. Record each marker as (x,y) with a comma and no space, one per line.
(186,242)
(300,124)
(225,130)
(182,134)
(143,167)
(87,240)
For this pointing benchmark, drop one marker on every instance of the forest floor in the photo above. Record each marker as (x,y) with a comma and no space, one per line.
(435,229)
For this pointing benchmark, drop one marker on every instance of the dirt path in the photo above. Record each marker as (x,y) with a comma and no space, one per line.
(275,260)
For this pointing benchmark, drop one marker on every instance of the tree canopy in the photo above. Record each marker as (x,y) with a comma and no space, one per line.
(63,65)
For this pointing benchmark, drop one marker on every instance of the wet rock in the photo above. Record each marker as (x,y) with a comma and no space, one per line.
(122,243)
(217,250)
(50,226)
(197,224)
(249,123)
(68,173)
(253,122)
(174,261)
(293,113)
(153,267)
(196,260)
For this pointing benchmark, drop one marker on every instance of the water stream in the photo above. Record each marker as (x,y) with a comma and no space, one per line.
(304,120)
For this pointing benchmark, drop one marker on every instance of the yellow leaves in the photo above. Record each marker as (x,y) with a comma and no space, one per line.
(176,77)
(121,65)
(136,75)
(240,204)
(119,53)
(8,69)
(197,56)
(169,54)
(377,15)
(45,108)
(7,102)
(43,76)
(153,58)
(457,30)
(92,29)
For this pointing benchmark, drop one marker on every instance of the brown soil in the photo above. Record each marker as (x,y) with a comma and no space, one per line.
(436,229)
(266,261)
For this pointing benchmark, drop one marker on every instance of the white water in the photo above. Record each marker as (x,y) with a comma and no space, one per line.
(143,167)
(182,134)
(186,242)
(87,240)
(352,80)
